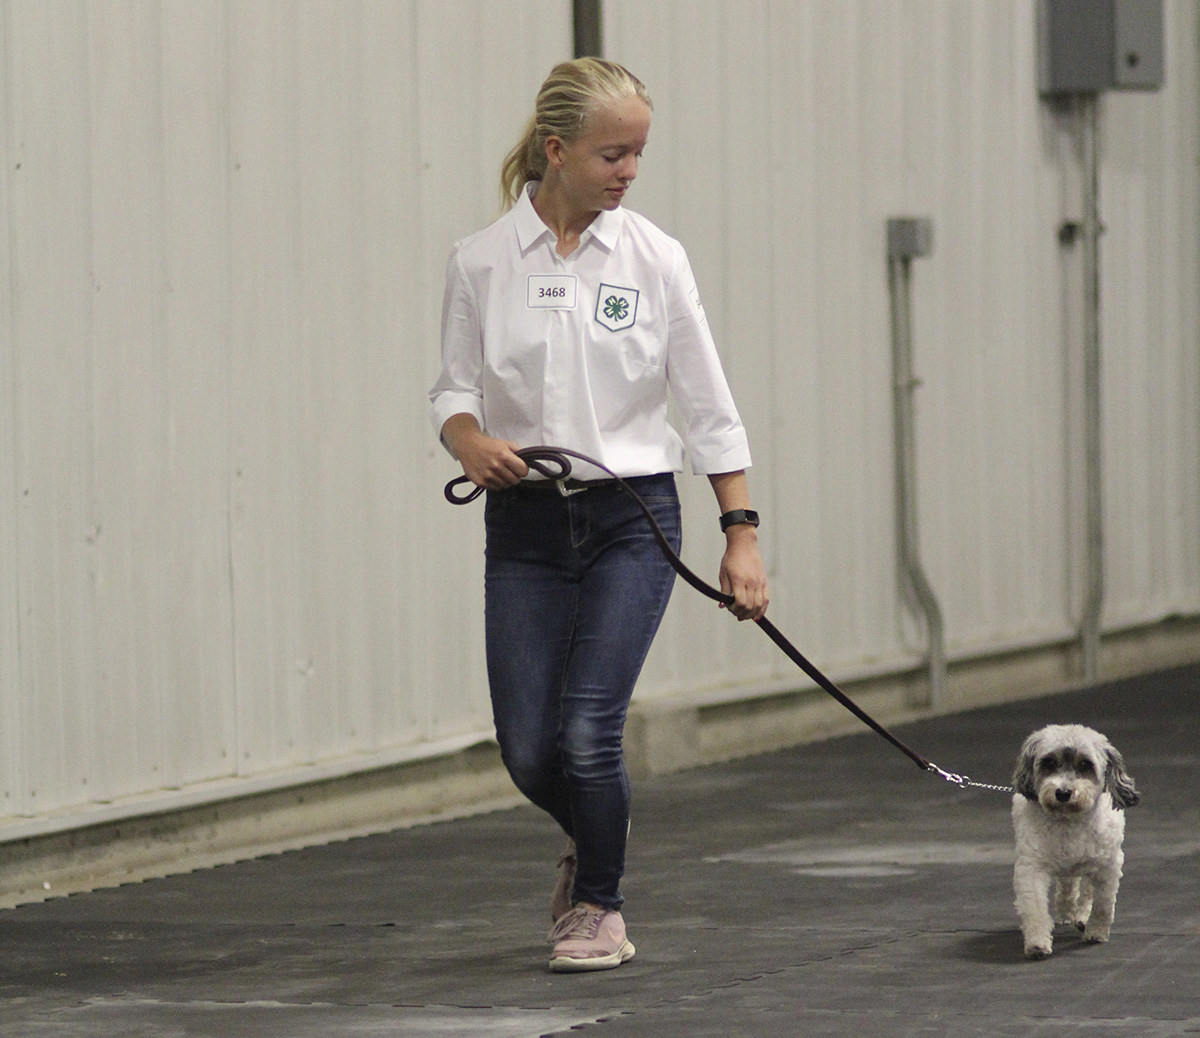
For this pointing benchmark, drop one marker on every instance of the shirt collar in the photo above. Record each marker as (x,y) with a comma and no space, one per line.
(530,228)
(606,228)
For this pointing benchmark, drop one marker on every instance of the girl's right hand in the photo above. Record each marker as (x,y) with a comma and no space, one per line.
(486,461)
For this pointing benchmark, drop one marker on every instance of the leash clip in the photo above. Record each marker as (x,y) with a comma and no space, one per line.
(565,491)
(965,782)
(962,781)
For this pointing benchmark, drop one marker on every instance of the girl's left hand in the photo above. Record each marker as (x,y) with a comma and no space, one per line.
(743,574)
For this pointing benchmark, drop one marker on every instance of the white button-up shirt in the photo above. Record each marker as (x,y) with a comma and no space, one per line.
(580,352)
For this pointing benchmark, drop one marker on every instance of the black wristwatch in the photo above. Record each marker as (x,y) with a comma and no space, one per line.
(738,516)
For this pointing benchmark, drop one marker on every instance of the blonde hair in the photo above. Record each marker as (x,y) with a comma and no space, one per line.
(570,94)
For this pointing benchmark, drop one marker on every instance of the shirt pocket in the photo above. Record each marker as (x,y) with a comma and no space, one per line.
(627,337)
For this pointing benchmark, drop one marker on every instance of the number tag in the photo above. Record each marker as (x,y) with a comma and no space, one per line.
(551,292)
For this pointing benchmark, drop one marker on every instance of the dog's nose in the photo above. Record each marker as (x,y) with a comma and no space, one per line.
(1062,795)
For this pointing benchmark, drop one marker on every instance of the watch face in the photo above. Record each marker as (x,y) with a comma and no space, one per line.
(738,516)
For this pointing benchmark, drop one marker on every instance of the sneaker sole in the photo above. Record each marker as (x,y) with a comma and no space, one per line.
(565,964)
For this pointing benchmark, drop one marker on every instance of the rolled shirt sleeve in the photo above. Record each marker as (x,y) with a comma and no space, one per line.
(713,431)
(458,389)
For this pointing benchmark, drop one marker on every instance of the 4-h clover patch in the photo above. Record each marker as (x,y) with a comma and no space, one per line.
(616,307)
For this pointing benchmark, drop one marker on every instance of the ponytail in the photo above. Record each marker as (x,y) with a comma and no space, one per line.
(525,162)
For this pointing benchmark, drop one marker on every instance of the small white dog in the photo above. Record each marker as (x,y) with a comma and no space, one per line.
(1071,786)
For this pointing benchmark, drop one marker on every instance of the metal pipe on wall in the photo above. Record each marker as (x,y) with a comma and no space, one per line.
(1085,49)
(908,238)
(1087,106)
(587,19)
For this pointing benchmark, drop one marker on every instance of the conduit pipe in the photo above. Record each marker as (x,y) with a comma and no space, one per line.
(1083,50)
(908,238)
(587,18)
(1087,105)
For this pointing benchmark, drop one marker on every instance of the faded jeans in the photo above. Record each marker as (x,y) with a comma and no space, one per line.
(575,590)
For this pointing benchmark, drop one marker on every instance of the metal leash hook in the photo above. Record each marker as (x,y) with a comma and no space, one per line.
(954,779)
(965,782)
(537,457)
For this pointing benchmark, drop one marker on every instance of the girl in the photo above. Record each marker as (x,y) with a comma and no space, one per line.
(565,323)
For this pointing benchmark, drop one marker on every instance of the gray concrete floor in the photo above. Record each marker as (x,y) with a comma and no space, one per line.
(832,889)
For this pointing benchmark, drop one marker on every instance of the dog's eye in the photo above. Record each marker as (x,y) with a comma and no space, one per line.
(1047,764)
(1085,767)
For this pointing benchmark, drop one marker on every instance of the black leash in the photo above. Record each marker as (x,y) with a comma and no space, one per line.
(540,459)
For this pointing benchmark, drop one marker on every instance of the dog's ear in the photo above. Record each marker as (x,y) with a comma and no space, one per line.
(1117,781)
(1023,777)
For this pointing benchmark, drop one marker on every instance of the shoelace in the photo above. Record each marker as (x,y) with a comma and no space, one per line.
(579,922)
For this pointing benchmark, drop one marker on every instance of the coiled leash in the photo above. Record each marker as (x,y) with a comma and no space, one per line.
(554,463)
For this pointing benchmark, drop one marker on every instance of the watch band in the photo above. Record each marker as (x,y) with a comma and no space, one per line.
(737,516)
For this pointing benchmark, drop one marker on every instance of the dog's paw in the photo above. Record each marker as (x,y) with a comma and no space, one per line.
(1095,936)
(1037,951)
(1080,925)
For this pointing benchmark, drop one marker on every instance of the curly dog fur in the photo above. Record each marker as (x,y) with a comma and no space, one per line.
(1071,788)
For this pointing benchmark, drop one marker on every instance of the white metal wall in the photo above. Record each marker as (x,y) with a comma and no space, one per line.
(223,548)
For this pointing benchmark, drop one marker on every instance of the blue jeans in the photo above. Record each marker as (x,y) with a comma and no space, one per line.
(575,590)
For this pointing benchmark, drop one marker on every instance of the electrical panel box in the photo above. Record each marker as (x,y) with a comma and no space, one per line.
(1086,46)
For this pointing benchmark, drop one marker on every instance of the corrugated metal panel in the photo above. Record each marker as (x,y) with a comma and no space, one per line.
(198,738)
(49,236)
(222,541)
(352,634)
(1151,312)
(10,673)
(227,228)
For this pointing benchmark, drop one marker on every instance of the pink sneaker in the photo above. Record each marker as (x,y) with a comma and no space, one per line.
(560,903)
(589,938)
